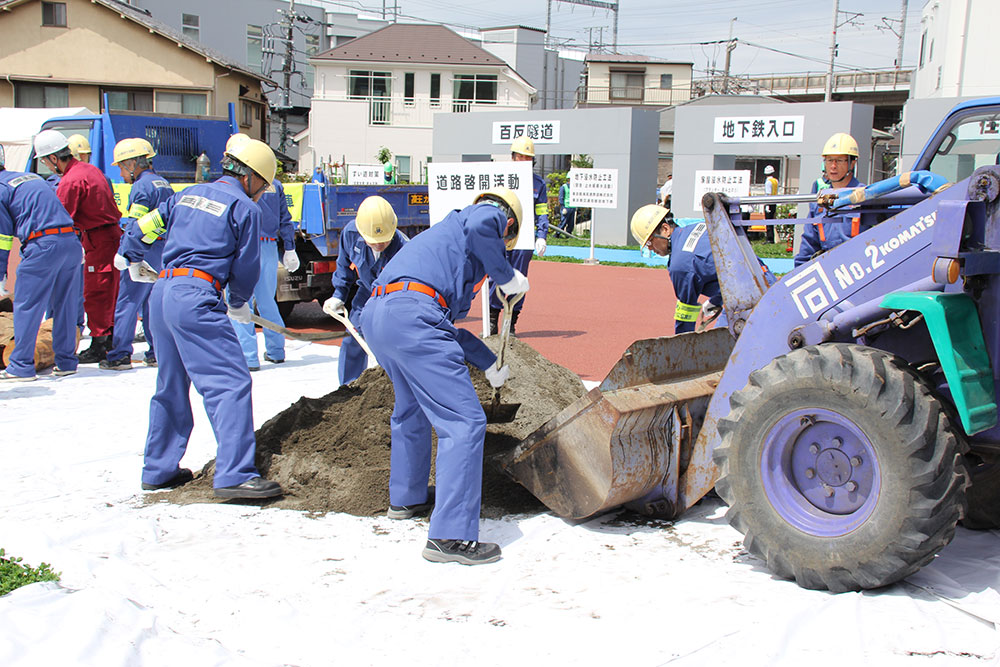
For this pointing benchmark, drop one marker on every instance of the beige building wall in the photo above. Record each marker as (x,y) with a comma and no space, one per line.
(102,48)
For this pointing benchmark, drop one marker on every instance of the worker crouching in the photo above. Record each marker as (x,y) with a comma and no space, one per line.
(409,324)
(212,242)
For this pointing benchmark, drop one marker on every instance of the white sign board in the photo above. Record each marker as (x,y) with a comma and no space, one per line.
(539,131)
(733,183)
(454,185)
(758,129)
(365,174)
(593,188)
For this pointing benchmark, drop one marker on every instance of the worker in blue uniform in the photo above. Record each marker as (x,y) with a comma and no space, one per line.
(840,155)
(133,157)
(367,243)
(523,150)
(275,222)
(409,324)
(691,264)
(212,242)
(48,276)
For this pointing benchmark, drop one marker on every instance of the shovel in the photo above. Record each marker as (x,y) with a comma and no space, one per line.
(343,319)
(295,335)
(497,412)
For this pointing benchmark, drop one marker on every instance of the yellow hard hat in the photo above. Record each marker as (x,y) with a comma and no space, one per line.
(646,220)
(841,144)
(523,146)
(78,144)
(510,200)
(256,155)
(235,139)
(127,149)
(376,221)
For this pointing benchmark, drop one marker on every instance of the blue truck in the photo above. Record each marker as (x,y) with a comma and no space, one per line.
(319,211)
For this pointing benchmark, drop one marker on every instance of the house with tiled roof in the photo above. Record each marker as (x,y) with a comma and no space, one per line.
(383,89)
(75,53)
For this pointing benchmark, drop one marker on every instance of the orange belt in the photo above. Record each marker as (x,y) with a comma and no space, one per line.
(49,232)
(411,286)
(194,273)
(268,238)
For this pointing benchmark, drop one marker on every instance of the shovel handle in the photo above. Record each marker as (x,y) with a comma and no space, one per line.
(343,319)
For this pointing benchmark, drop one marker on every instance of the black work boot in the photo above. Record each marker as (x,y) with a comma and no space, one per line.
(461,551)
(513,321)
(97,352)
(494,321)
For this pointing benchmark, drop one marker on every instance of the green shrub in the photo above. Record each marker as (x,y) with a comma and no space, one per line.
(13,574)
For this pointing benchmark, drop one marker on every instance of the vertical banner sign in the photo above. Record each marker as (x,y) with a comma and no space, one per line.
(732,183)
(539,131)
(593,188)
(454,185)
(365,174)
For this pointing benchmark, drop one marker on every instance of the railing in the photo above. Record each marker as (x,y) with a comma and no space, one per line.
(417,111)
(632,95)
(809,83)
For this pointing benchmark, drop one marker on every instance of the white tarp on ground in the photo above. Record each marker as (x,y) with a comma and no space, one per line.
(18,126)
(159,584)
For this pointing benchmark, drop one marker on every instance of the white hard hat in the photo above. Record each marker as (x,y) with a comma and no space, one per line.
(48,142)
(768,170)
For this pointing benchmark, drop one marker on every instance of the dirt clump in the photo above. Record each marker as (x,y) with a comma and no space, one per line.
(331,454)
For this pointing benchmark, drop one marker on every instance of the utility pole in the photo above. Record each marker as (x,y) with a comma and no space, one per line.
(828,97)
(730,47)
(902,34)
(286,74)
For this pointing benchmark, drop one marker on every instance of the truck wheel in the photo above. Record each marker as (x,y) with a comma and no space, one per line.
(285,309)
(841,468)
(983,495)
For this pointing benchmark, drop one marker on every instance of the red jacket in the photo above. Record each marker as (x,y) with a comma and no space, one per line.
(85,193)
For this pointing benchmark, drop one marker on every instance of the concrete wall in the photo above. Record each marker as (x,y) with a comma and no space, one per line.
(957,40)
(120,53)
(618,138)
(695,149)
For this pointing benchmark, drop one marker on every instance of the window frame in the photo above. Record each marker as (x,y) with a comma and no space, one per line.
(189,28)
(54,7)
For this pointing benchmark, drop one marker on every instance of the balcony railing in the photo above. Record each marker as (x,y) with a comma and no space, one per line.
(417,111)
(632,95)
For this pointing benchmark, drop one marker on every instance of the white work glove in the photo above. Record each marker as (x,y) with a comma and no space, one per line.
(334,307)
(497,376)
(142,272)
(241,314)
(516,285)
(120,262)
(3,288)
(709,310)
(540,246)
(291,261)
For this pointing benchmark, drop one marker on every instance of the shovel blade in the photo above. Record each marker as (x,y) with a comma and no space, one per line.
(500,413)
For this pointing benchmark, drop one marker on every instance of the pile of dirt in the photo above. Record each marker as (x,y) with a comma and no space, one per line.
(331,454)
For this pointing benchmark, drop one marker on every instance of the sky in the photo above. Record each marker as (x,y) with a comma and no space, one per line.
(682,30)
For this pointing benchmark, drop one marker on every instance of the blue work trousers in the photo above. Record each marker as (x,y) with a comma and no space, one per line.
(267,307)
(48,279)
(353,360)
(196,343)
(519,259)
(133,297)
(418,348)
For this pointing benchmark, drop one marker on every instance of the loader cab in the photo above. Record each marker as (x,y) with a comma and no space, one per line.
(967,139)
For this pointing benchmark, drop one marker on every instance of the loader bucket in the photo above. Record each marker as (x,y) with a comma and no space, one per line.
(629,440)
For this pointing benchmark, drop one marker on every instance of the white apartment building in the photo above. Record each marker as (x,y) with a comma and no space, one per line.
(956,37)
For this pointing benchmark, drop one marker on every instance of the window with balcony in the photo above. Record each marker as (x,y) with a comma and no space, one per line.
(627,86)
(376,88)
(666,81)
(54,14)
(409,83)
(125,99)
(255,48)
(40,95)
(435,90)
(191,26)
(474,89)
(312,48)
(192,104)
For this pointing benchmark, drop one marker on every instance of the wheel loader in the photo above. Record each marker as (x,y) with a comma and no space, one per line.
(847,414)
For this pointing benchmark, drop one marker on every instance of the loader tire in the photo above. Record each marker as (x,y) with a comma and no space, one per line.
(841,468)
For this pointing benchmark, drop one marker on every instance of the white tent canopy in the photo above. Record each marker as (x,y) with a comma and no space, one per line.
(18,126)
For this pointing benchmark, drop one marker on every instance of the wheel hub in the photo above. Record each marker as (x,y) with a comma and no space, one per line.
(820,471)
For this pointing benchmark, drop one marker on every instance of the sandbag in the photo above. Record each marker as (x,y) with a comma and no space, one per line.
(44,355)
